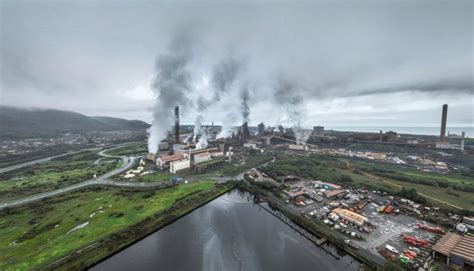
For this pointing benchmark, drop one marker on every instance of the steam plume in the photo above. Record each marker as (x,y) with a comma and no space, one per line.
(170,84)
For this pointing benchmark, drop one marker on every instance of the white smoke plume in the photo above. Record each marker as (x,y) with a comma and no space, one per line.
(202,143)
(226,130)
(197,127)
(301,135)
(170,85)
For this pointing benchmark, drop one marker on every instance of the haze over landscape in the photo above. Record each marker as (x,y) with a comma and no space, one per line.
(384,63)
(237,135)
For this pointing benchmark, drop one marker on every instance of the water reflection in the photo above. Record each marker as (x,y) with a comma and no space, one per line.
(229,233)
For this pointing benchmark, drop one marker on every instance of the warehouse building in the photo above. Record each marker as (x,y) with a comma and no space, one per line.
(350,216)
(457,249)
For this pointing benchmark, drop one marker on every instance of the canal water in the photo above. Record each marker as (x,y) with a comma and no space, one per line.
(228,233)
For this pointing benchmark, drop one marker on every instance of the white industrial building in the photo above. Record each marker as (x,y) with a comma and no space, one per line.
(176,166)
(297,147)
(202,157)
(164,160)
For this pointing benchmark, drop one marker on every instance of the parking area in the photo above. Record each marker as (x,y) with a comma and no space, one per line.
(377,224)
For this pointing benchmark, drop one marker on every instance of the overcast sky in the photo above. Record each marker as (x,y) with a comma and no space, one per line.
(357,63)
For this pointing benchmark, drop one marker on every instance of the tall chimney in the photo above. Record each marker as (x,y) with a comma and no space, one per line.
(176,124)
(444,117)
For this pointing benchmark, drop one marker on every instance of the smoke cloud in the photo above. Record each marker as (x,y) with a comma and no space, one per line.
(344,60)
(171,83)
(197,127)
(202,142)
(245,98)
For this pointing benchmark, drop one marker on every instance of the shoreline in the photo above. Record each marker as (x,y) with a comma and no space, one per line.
(309,226)
(89,256)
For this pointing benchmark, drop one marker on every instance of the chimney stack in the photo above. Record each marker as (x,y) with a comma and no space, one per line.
(444,117)
(176,124)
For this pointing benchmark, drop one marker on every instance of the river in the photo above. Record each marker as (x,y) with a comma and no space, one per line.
(228,233)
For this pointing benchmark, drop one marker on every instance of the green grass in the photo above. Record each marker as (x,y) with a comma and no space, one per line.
(330,168)
(465,200)
(455,179)
(51,175)
(250,162)
(158,176)
(40,242)
(138,148)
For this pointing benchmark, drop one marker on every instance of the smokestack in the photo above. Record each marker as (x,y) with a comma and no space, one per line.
(444,117)
(176,124)
(463,135)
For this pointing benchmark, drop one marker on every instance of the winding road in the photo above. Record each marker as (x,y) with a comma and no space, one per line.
(127,163)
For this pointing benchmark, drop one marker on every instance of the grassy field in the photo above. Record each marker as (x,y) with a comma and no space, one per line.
(132,149)
(251,161)
(158,176)
(331,169)
(457,180)
(51,175)
(14,159)
(37,234)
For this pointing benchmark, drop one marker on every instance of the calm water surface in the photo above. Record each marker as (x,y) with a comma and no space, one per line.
(229,233)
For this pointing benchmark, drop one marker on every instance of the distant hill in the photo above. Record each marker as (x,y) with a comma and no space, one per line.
(17,122)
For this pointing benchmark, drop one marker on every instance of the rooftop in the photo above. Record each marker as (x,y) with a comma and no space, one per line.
(332,193)
(456,245)
(173,157)
(346,214)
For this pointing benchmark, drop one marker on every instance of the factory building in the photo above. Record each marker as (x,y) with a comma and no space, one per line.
(179,165)
(201,157)
(318,131)
(151,157)
(297,147)
(350,216)
(457,249)
(244,133)
(164,161)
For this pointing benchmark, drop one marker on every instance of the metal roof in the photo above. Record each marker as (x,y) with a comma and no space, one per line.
(452,244)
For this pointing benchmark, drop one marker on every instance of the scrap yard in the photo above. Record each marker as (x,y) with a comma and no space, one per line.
(379,226)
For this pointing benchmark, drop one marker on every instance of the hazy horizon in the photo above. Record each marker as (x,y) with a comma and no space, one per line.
(362,63)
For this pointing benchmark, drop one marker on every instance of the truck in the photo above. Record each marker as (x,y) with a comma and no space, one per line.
(391,249)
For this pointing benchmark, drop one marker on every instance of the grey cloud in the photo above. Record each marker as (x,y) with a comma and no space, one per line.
(289,53)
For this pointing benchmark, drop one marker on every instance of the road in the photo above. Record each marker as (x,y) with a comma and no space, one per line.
(42,160)
(46,159)
(127,163)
